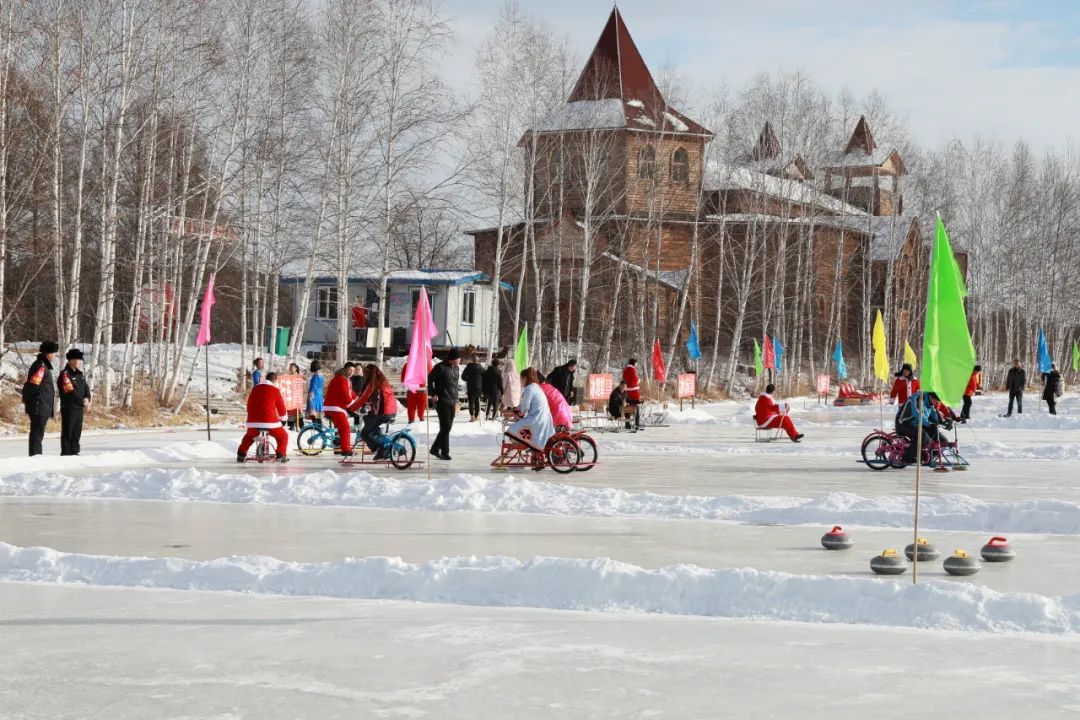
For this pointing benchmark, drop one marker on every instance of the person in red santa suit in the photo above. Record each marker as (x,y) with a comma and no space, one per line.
(769,415)
(265,412)
(633,393)
(905,385)
(340,400)
(359,320)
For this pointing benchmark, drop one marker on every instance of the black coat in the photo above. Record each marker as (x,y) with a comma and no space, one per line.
(492,383)
(473,375)
(1051,385)
(1016,380)
(73,388)
(562,379)
(39,391)
(616,403)
(443,384)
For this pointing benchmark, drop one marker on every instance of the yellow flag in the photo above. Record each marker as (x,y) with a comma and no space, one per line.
(909,356)
(881,355)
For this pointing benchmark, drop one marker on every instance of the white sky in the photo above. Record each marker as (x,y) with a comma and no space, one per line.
(952,67)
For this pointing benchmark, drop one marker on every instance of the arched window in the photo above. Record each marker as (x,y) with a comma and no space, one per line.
(646,167)
(680,166)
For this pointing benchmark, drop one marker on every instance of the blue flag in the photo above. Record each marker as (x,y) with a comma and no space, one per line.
(1044,354)
(692,344)
(778,351)
(838,358)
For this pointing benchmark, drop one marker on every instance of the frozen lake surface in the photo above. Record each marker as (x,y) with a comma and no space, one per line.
(696,520)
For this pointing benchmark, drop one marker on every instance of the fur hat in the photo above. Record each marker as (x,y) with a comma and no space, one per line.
(48,347)
(453,354)
(74,354)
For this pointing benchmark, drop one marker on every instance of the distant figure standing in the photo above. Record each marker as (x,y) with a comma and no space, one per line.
(473,377)
(974,383)
(316,389)
(511,381)
(359,321)
(443,386)
(905,385)
(257,373)
(74,399)
(1052,388)
(1015,382)
(415,396)
(39,393)
(492,385)
(562,378)
(633,391)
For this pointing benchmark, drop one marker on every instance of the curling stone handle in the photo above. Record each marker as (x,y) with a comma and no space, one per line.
(837,528)
(998,540)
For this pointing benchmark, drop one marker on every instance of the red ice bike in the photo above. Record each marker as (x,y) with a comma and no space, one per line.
(882,449)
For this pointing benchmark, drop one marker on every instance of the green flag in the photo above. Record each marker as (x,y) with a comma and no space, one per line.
(948,355)
(521,354)
(1076,355)
(758,369)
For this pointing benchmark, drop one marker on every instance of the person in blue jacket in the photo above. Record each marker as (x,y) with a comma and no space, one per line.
(316,386)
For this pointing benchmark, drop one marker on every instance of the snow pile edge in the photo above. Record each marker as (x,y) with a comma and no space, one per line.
(571,584)
(472,493)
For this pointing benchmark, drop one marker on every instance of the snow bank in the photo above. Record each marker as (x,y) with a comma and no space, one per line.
(172,453)
(571,584)
(471,493)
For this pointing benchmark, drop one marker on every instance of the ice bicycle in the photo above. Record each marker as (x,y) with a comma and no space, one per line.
(562,452)
(882,449)
(398,448)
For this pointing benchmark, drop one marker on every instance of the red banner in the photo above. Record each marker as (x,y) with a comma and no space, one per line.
(685,385)
(292,391)
(600,386)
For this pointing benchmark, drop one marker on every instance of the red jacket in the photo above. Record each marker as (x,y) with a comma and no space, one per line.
(359,317)
(765,410)
(384,404)
(973,384)
(903,388)
(265,407)
(340,396)
(633,385)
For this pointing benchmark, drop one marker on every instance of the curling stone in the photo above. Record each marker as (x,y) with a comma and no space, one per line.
(927,551)
(960,563)
(997,550)
(836,539)
(889,562)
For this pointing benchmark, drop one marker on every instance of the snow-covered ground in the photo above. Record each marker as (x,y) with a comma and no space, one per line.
(693,550)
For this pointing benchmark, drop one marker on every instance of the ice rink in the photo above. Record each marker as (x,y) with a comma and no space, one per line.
(173,582)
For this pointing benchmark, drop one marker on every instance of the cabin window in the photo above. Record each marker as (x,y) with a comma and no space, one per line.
(680,166)
(468,307)
(647,163)
(326,303)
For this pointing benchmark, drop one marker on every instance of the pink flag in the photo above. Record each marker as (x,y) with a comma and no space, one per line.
(204,324)
(420,352)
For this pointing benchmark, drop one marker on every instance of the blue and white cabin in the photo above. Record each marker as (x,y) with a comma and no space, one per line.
(460,303)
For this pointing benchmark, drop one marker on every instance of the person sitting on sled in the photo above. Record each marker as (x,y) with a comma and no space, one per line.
(534,426)
(383,408)
(919,411)
(769,414)
(265,412)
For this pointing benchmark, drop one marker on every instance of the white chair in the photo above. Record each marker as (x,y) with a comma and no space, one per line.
(767,434)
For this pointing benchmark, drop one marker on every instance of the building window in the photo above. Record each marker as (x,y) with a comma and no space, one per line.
(680,166)
(468,307)
(326,302)
(431,295)
(647,163)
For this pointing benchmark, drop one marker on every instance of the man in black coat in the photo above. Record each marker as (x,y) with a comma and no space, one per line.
(443,389)
(492,385)
(74,399)
(1051,388)
(473,377)
(38,393)
(1015,382)
(562,379)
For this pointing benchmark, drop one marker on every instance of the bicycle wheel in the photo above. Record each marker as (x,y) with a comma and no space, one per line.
(875,451)
(563,455)
(589,453)
(402,452)
(312,441)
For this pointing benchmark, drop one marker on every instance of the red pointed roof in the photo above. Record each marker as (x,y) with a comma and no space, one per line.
(616,70)
(861,138)
(768,145)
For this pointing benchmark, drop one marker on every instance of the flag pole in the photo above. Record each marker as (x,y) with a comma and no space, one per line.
(207,391)
(918,479)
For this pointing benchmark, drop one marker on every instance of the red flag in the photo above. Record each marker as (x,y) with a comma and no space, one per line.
(204,323)
(659,372)
(769,360)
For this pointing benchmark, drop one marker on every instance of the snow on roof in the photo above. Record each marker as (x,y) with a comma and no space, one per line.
(406,277)
(585,115)
(674,279)
(636,103)
(738,178)
(645,120)
(676,122)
